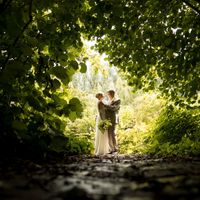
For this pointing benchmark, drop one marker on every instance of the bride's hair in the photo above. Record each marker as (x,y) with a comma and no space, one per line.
(98,95)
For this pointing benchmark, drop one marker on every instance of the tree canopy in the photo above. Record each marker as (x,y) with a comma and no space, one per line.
(155,42)
(40,45)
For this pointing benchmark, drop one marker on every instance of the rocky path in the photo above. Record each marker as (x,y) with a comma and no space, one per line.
(116,177)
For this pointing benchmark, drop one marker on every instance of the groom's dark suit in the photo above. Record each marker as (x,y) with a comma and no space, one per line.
(111,111)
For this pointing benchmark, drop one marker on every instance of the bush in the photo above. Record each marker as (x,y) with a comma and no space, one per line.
(176,132)
(131,141)
(135,121)
(81,134)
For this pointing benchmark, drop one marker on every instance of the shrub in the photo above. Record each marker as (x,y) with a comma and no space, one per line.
(176,132)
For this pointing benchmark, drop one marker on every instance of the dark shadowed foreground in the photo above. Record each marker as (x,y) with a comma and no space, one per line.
(114,178)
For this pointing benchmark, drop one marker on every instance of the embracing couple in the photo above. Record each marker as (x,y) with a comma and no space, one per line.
(108,107)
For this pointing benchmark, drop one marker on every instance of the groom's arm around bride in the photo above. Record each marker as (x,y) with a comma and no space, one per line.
(114,106)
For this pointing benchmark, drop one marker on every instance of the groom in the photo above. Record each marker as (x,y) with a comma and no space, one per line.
(111,114)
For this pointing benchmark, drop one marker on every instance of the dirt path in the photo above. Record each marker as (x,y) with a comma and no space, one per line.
(113,178)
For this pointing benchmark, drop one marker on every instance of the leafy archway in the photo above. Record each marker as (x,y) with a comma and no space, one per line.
(156,46)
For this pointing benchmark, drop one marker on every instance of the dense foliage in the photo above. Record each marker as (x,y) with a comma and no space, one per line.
(136,120)
(41,49)
(40,45)
(156,45)
(176,132)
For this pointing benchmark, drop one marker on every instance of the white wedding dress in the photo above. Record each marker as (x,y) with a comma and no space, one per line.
(101,139)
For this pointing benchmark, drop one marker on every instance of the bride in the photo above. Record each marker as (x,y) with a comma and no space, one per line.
(101,136)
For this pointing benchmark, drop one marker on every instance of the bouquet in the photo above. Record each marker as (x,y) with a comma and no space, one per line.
(104,124)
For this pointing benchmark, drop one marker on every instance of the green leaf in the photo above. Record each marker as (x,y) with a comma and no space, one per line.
(70,71)
(58,71)
(169,53)
(46,93)
(74,64)
(56,84)
(72,107)
(83,68)
(72,116)
(35,103)
(61,73)
(75,106)
(58,100)
(63,59)
(66,110)
(74,101)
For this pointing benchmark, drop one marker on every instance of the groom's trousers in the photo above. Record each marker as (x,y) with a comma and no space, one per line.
(111,138)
